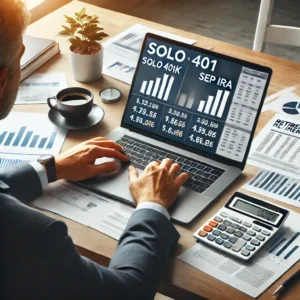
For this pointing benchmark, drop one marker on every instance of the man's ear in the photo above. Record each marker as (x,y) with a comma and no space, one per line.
(3,80)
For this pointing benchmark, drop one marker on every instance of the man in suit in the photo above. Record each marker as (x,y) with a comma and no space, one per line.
(38,259)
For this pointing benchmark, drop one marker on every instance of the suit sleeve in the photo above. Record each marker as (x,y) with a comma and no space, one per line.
(135,269)
(23,181)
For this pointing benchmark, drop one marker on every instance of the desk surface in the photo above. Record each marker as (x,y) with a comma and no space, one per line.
(180,280)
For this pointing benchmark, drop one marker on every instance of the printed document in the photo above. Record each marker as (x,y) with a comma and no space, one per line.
(121,52)
(276,186)
(26,136)
(277,147)
(38,87)
(88,208)
(253,277)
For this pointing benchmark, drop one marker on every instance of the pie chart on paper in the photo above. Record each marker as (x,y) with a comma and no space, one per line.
(291,108)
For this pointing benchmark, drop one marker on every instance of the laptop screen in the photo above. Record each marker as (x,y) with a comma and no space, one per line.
(196,98)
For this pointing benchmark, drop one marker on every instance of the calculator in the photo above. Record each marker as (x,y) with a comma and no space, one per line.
(243,226)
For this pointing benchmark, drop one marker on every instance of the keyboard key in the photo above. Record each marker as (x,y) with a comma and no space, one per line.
(213,223)
(243,229)
(256,228)
(199,189)
(224,236)
(238,245)
(265,232)
(211,237)
(245,252)
(230,230)
(251,233)
(202,233)
(233,239)
(260,237)
(234,225)
(207,228)
(246,237)
(219,241)
(250,247)
(227,245)
(235,219)
(255,242)
(227,222)
(247,224)
(222,227)
(238,233)
(216,232)
(224,214)
(218,219)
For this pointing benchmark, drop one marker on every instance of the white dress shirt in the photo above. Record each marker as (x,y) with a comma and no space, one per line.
(145,205)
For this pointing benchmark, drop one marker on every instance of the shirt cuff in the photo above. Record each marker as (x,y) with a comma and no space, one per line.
(41,173)
(155,206)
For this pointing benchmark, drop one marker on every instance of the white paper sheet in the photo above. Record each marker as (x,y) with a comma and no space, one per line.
(121,52)
(26,136)
(88,208)
(38,87)
(277,147)
(276,186)
(254,277)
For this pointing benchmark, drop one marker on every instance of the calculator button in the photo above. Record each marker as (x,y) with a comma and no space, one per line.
(246,237)
(216,232)
(238,233)
(218,219)
(213,224)
(227,223)
(251,233)
(235,219)
(224,214)
(255,242)
(247,224)
(222,227)
(234,225)
(250,247)
(224,236)
(227,245)
(245,252)
(219,241)
(238,245)
(207,228)
(230,230)
(265,232)
(202,233)
(233,239)
(211,237)
(256,228)
(260,237)
(243,229)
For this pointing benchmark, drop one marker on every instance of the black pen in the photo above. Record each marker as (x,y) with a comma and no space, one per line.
(287,282)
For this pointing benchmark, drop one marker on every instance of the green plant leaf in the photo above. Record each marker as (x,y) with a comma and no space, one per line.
(98,37)
(64,32)
(69,19)
(82,12)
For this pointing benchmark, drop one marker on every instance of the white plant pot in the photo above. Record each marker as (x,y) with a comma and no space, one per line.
(87,68)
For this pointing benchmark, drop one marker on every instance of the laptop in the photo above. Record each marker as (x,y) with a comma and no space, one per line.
(195,106)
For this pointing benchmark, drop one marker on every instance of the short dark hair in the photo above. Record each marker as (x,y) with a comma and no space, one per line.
(14,18)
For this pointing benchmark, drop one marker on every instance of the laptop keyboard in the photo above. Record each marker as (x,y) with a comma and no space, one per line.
(202,175)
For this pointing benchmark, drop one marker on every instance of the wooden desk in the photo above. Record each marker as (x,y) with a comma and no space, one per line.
(181,281)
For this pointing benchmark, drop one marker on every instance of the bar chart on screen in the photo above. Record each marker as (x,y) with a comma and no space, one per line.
(26,136)
(159,87)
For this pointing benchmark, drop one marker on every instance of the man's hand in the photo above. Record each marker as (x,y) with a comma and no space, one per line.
(78,162)
(159,183)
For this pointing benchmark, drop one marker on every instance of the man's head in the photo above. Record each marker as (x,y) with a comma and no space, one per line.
(13,21)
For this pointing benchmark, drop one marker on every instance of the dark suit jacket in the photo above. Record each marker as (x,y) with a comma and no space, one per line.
(38,259)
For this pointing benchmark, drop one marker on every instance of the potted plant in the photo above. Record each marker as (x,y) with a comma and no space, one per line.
(85,51)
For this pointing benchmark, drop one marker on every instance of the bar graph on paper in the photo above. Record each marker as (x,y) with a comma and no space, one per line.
(158,88)
(26,136)
(214,105)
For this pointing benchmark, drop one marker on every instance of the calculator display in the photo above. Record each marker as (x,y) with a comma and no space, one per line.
(256,211)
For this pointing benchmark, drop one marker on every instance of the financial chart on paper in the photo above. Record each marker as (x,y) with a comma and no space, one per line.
(195,99)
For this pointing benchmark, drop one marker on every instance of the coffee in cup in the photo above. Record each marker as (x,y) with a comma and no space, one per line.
(73,103)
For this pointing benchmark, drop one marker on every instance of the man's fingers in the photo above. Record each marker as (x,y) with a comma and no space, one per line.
(132,173)
(166,163)
(94,170)
(105,144)
(98,152)
(175,168)
(183,177)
